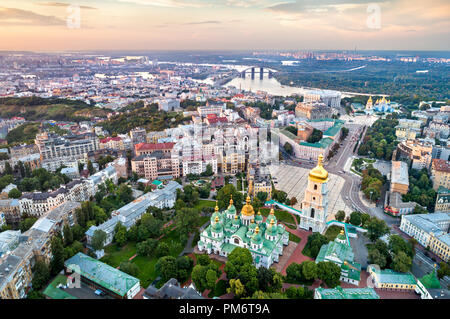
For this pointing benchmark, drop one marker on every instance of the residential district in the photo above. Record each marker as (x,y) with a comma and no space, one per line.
(125,177)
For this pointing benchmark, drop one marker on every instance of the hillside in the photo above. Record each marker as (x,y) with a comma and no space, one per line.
(39,109)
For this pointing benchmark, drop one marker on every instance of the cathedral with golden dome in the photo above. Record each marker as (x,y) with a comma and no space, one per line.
(265,239)
(314,206)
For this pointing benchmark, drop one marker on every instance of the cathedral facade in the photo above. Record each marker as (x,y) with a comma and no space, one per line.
(314,206)
(228,229)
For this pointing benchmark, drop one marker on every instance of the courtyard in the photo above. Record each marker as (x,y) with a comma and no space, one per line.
(293,180)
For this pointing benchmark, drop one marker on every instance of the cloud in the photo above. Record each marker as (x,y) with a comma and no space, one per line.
(171,3)
(61,4)
(13,16)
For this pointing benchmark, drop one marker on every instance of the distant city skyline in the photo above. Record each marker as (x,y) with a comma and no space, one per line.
(224,25)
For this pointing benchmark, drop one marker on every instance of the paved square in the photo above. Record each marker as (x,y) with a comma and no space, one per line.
(293,180)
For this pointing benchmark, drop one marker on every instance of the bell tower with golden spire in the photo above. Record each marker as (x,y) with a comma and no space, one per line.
(315,203)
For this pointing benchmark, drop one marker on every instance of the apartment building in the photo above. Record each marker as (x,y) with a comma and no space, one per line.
(52,146)
(442,200)
(138,135)
(399,177)
(313,110)
(129,214)
(440,173)
(156,165)
(16,266)
(430,230)
(148,148)
(38,204)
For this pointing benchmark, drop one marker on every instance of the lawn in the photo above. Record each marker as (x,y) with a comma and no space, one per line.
(114,255)
(55,293)
(332,232)
(294,238)
(281,215)
(204,203)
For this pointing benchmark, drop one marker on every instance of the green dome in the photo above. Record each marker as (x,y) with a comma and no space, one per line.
(216,226)
(342,236)
(256,238)
(252,226)
(232,210)
(258,217)
(236,221)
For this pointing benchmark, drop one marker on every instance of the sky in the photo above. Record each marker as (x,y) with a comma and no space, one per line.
(224,25)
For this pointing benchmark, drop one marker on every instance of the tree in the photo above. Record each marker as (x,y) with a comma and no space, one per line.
(26,224)
(203,260)
(309,270)
(35,294)
(238,258)
(340,215)
(262,196)
(129,268)
(294,273)
(187,220)
(211,278)
(224,196)
(314,243)
(375,257)
(146,248)
(98,240)
(288,148)
(162,249)
(355,218)
(236,287)
(167,267)
(90,168)
(120,234)
(402,262)
(41,275)
(376,228)
(315,136)
(57,261)
(14,193)
(444,270)
(68,235)
(124,193)
(329,273)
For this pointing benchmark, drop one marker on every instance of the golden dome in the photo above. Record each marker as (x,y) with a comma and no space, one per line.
(272,211)
(231,200)
(216,219)
(272,222)
(342,232)
(256,230)
(318,173)
(236,216)
(247,210)
(217,207)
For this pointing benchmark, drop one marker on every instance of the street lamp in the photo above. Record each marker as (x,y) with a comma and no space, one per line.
(371,195)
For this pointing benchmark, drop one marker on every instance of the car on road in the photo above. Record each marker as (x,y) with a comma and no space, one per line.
(346,197)
(99,292)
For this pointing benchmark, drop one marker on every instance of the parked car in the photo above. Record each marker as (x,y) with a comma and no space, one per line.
(99,292)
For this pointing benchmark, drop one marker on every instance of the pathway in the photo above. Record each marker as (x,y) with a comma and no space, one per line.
(297,255)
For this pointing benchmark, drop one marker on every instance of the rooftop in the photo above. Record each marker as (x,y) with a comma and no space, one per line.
(102,274)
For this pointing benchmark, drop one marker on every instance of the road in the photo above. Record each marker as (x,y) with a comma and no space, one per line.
(351,187)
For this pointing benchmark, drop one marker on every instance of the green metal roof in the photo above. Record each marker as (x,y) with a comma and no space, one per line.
(323,143)
(348,293)
(388,276)
(102,274)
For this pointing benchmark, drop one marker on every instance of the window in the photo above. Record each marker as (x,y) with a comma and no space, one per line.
(312,212)
(315,187)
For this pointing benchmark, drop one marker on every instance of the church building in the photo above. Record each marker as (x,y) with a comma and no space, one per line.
(229,229)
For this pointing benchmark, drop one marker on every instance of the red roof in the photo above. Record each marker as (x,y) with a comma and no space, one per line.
(106,140)
(153,147)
